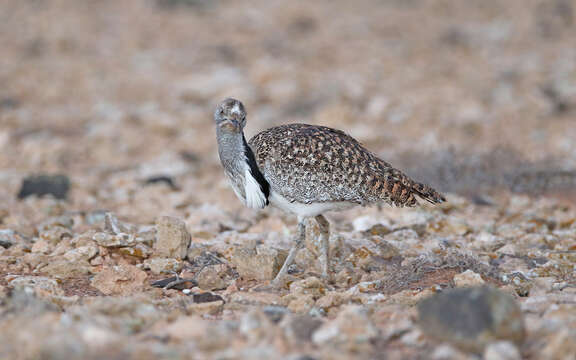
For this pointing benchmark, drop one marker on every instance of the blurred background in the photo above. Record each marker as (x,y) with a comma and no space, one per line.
(113,101)
(469,96)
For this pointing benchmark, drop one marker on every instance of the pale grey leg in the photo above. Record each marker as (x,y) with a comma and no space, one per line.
(298,244)
(324,226)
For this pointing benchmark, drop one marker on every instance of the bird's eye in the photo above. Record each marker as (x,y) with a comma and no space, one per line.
(221,111)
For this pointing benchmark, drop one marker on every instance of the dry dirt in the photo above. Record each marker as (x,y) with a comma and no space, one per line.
(477,98)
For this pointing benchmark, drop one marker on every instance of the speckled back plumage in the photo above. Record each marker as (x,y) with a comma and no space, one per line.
(307,164)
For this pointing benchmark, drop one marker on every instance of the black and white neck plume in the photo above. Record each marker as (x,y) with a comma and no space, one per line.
(237,157)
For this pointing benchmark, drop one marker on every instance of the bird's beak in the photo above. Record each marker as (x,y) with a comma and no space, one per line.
(230,125)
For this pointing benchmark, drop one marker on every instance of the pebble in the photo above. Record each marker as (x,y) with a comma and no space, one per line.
(120,280)
(172,238)
(163,265)
(502,350)
(352,330)
(471,318)
(468,278)
(257,263)
(41,185)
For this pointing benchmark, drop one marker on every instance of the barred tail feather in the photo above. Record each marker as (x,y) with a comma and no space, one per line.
(428,193)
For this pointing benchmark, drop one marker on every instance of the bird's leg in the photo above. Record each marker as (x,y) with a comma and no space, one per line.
(324,226)
(298,244)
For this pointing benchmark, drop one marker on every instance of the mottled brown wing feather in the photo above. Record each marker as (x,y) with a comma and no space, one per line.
(307,163)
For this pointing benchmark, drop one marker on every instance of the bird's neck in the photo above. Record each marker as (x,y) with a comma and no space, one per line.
(241,167)
(231,148)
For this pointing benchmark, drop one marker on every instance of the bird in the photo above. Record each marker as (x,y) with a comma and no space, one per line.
(308,170)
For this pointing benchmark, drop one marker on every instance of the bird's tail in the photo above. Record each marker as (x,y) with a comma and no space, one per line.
(428,193)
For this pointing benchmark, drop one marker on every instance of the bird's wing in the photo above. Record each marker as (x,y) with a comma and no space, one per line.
(306,163)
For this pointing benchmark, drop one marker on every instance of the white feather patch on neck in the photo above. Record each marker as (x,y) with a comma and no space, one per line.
(255,198)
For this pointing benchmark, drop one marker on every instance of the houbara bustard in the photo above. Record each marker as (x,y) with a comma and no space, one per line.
(307,170)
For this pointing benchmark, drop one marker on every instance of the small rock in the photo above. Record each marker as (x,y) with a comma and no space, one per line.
(64,269)
(301,303)
(331,299)
(172,238)
(256,326)
(299,328)
(352,330)
(27,304)
(40,185)
(378,230)
(275,312)
(311,285)
(163,265)
(114,240)
(260,263)
(41,286)
(82,253)
(502,350)
(255,298)
(520,282)
(214,277)
(468,278)
(206,307)
(207,335)
(347,278)
(161,179)
(206,297)
(139,251)
(447,352)
(120,280)
(471,318)
(7,238)
(42,246)
(410,297)
(64,221)
(560,346)
(55,234)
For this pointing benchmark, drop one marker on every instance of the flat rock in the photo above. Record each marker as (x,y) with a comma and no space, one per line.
(468,278)
(120,280)
(163,265)
(109,240)
(206,335)
(172,238)
(259,263)
(502,350)
(214,277)
(81,253)
(206,308)
(64,269)
(471,318)
(42,286)
(299,328)
(255,298)
(352,330)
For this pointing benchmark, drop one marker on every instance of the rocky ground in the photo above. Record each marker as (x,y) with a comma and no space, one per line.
(142,251)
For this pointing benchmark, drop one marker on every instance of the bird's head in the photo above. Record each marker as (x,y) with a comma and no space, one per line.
(230,116)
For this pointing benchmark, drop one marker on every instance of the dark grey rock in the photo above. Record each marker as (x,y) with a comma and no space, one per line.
(41,185)
(206,297)
(162,179)
(471,318)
